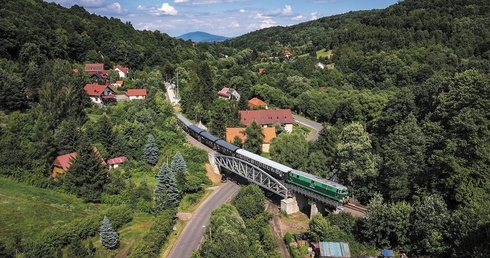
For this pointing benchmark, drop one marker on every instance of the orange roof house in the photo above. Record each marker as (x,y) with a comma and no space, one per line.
(269,134)
(136,94)
(122,71)
(256,103)
(98,92)
(63,162)
(287,54)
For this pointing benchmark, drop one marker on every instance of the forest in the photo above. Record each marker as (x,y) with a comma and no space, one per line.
(403,94)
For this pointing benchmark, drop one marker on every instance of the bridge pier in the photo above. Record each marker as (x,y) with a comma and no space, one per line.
(316,207)
(289,205)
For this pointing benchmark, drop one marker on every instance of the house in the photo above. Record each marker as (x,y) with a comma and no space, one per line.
(287,54)
(100,93)
(261,70)
(269,134)
(118,84)
(269,117)
(63,162)
(332,249)
(320,65)
(115,162)
(227,93)
(122,71)
(256,103)
(136,94)
(95,68)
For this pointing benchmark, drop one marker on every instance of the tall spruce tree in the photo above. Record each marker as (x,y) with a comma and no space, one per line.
(166,192)
(151,152)
(179,168)
(87,175)
(108,236)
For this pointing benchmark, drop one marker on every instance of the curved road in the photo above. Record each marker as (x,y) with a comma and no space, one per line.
(192,236)
(312,124)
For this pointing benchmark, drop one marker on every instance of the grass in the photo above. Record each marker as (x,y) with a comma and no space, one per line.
(30,210)
(130,235)
(190,202)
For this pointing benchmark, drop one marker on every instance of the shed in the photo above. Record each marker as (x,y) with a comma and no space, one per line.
(334,249)
(387,253)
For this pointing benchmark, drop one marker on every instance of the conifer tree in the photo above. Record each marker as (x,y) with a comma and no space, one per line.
(151,152)
(166,192)
(108,236)
(178,167)
(87,175)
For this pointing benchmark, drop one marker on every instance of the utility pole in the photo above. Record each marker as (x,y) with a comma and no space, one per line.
(177,92)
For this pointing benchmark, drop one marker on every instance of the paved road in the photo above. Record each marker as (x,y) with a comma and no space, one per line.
(191,237)
(316,126)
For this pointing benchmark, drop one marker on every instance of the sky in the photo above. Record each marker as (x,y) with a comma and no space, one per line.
(228,18)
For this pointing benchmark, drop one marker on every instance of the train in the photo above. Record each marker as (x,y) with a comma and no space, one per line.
(321,186)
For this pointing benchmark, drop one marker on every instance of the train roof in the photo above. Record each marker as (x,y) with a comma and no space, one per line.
(196,129)
(319,179)
(266,161)
(184,119)
(209,136)
(227,145)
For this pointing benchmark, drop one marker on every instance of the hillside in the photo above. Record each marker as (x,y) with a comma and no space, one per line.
(199,36)
(403,93)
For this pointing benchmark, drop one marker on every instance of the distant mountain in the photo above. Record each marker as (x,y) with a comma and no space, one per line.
(199,36)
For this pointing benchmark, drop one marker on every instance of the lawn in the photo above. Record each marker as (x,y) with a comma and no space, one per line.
(29,209)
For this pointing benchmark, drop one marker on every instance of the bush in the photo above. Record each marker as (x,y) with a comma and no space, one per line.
(152,242)
(288,238)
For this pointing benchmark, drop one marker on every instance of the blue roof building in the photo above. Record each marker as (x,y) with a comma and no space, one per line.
(334,249)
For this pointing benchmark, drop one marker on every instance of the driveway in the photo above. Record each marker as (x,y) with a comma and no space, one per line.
(312,124)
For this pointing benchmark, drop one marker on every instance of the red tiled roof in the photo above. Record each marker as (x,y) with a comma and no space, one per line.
(225,92)
(117,160)
(255,102)
(64,161)
(287,53)
(119,82)
(96,90)
(267,117)
(123,69)
(261,70)
(136,92)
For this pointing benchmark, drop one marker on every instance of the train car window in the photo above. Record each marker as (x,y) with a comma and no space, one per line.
(297,176)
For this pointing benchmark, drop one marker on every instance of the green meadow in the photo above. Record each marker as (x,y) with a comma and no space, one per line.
(29,210)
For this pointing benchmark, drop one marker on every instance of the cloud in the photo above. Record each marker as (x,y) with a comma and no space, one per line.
(314,15)
(242,10)
(234,25)
(116,8)
(267,23)
(298,18)
(165,9)
(180,1)
(287,10)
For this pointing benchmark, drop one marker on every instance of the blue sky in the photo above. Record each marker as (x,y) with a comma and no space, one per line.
(229,18)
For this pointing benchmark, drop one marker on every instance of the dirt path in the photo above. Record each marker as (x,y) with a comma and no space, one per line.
(275,224)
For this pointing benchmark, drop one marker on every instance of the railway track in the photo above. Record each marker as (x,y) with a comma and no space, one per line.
(355,208)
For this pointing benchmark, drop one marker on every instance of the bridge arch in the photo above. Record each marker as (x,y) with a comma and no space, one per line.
(252,173)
